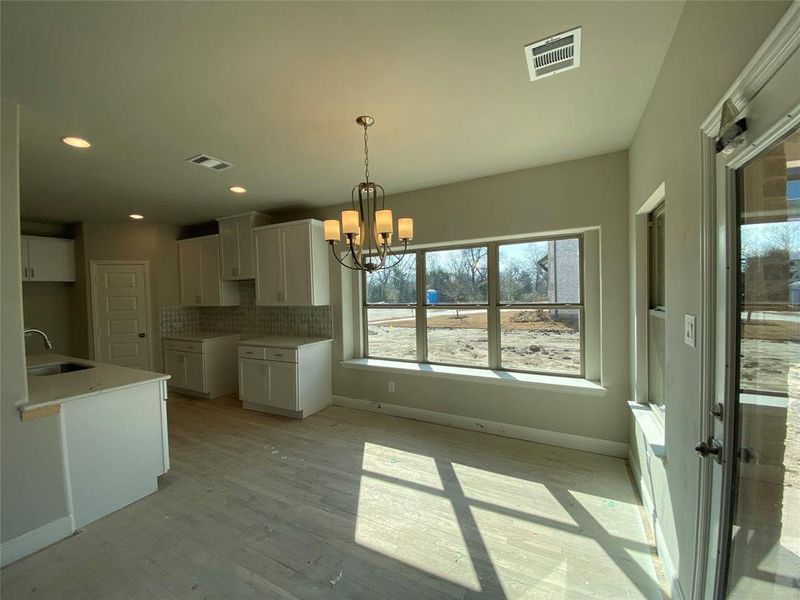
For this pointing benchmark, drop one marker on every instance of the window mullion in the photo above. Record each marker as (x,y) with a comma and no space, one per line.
(493,318)
(421,330)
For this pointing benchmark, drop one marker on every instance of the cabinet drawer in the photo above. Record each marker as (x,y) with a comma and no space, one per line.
(183,346)
(252,352)
(282,354)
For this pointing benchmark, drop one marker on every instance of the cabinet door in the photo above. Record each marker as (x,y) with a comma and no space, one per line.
(246,261)
(195,372)
(175,365)
(282,381)
(210,281)
(229,242)
(296,259)
(189,259)
(50,259)
(24,252)
(269,290)
(253,376)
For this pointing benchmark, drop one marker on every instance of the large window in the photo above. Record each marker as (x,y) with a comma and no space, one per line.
(515,306)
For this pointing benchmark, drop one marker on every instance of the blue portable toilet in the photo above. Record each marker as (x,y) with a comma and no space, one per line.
(432,297)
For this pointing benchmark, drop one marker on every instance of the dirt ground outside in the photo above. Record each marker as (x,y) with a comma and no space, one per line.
(530,340)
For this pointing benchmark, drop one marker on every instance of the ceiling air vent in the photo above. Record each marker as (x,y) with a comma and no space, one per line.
(556,54)
(209,162)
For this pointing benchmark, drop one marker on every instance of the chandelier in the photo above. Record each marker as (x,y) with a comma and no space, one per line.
(368,229)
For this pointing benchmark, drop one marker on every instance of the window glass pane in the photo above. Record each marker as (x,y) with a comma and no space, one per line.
(547,341)
(391,333)
(396,285)
(457,276)
(657,253)
(458,336)
(655,359)
(546,271)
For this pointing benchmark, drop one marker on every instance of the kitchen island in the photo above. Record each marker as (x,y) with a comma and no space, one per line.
(113,429)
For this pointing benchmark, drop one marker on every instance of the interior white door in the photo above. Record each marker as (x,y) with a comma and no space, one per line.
(282,382)
(121,317)
(253,380)
(296,262)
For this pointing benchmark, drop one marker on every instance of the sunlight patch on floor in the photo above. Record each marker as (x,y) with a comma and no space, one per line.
(417,528)
(515,494)
(399,464)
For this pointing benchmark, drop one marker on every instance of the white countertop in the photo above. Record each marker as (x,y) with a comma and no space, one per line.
(275,341)
(45,390)
(199,336)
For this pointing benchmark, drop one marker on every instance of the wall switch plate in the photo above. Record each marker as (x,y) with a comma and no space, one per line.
(391,386)
(689,330)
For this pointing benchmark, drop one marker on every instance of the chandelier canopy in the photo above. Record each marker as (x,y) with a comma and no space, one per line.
(368,229)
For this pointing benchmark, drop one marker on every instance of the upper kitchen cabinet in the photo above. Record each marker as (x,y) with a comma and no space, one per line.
(291,264)
(236,244)
(200,275)
(47,259)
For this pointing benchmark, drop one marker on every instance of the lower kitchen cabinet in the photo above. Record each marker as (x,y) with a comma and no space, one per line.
(286,377)
(201,365)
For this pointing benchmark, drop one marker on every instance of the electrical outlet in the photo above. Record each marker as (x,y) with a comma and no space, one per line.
(689,331)
(391,387)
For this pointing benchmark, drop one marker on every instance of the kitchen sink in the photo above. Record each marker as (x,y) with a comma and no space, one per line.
(58,368)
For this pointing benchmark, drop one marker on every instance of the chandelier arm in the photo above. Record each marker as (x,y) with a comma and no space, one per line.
(341,262)
(355,256)
(399,257)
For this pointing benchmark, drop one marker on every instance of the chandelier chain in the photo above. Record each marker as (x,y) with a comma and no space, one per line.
(366,154)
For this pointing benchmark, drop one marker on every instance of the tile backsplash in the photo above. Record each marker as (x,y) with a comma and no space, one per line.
(300,321)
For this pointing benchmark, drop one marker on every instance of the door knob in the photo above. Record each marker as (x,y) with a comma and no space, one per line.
(713,447)
(142,335)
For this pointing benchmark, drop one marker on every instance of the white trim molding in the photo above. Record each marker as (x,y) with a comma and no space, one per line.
(35,540)
(778,46)
(520,432)
(552,383)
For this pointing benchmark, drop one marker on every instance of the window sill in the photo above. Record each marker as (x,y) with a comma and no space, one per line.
(551,383)
(652,428)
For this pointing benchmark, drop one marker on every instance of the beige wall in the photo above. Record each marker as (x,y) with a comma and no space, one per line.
(31,481)
(588,193)
(47,305)
(712,44)
(126,240)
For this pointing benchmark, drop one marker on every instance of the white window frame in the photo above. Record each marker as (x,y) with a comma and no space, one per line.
(493,306)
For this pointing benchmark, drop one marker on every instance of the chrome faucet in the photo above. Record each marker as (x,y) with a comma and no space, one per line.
(48,344)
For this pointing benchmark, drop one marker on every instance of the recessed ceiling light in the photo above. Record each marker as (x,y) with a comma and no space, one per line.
(75,142)
(237,189)
(135,216)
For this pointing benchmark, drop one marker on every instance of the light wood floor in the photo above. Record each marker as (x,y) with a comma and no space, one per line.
(348,504)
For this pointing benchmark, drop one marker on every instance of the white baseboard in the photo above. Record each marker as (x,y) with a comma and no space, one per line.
(39,538)
(667,564)
(530,434)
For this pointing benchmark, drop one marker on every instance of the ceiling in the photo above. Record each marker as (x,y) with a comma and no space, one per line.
(274,88)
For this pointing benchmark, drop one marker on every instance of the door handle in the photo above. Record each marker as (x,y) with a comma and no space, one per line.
(711,447)
(32,273)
